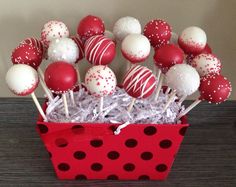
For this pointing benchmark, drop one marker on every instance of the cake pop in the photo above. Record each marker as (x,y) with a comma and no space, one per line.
(214,88)
(158,32)
(183,79)
(192,40)
(206,64)
(80,46)
(22,80)
(63,49)
(165,57)
(61,77)
(125,26)
(135,48)
(100,81)
(139,82)
(90,26)
(52,30)
(34,42)
(99,50)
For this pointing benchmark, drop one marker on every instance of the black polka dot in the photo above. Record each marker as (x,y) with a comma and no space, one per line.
(96,167)
(131,143)
(129,167)
(96,143)
(146,155)
(79,155)
(161,167)
(43,128)
(63,167)
(61,142)
(77,129)
(144,177)
(165,144)
(182,131)
(80,177)
(112,177)
(150,130)
(113,155)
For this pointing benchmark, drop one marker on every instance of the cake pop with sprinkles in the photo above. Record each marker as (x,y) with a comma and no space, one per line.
(63,49)
(206,64)
(100,81)
(34,42)
(158,32)
(22,80)
(135,48)
(139,82)
(192,40)
(100,50)
(52,30)
(90,26)
(125,26)
(214,88)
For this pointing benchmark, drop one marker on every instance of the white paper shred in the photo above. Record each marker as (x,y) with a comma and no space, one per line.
(145,111)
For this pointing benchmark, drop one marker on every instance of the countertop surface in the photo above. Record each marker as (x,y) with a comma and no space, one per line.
(207,156)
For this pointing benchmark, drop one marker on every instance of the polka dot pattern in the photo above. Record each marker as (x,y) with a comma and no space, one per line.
(91,151)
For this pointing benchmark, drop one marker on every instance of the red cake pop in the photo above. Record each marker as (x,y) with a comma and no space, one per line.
(100,50)
(27,54)
(158,32)
(34,42)
(167,56)
(206,50)
(60,77)
(80,45)
(90,26)
(214,88)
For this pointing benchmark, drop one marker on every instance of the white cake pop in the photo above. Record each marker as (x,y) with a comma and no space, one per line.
(183,78)
(100,81)
(125,26)
(192,40)
(63,49)
(22,79)
(206,63)
(135,48)
(52,30)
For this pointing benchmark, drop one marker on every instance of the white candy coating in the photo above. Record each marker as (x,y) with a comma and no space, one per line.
(136,46)
(100,81)
(22,79)
(64,49)
(206,63)
(125,26)
(183,78)
(194,36)
(52,30)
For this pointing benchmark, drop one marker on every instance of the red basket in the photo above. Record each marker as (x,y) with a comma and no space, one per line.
(92,151)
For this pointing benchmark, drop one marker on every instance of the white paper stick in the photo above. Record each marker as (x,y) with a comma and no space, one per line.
(41,73)
(159,87)
(131,105)
(181,100)
(38,106)
(158,74)
(78,73)
(72,97)
(101,104)
(190,107)
(170,100)
(65,104)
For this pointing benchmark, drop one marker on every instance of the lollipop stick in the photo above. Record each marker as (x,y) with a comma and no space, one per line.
(190,107)
(38,106)
(158,74)
(131,105)
(182,99)
(65,105)
(170,100)
(48,93)
(41,75)
(159,87)
(101,104)
(78,74)
(72,97)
